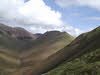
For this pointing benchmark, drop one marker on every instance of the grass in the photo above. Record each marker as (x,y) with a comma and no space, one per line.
(88,64)
(80,57)
(16,55)
(77,48)
(14,44)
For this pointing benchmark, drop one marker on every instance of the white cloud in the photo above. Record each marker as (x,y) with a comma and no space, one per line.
(89,3)
(73,31)
(34,15)
(8,8)
(32,12)
(38,12)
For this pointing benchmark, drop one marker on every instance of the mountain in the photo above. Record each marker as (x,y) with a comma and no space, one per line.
(15,38)
(16,32)
(87,64)
(46,45)
(87,46)
(37,35)
(20,49)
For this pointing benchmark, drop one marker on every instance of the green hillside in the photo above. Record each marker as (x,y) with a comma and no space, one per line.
(18,54)
(87,64)
(85,43)
(46,45)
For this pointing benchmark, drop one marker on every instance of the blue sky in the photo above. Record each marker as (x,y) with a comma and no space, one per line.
(26,0)
(40,16)
(81,17)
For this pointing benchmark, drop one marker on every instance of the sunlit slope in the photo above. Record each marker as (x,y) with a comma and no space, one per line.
(86,42)
(87,64)
(46,45)
(20,48)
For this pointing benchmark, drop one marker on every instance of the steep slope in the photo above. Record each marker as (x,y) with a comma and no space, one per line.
(19,49)
(12,42)
(86,42)
(37,35)
(46,45)
(15,38)
(15,32)
(87,64)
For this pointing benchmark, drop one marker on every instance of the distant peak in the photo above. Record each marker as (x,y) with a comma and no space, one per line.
(16,32)
(53,32)
(98,27)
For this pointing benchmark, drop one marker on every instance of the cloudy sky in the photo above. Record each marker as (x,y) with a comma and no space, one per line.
(39,16)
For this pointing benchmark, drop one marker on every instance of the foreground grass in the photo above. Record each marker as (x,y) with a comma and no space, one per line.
(88,64)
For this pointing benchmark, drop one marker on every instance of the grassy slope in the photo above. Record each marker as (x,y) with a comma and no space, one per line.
(15,53)
(84,43)
(9,59)
(88,64)
(47,47)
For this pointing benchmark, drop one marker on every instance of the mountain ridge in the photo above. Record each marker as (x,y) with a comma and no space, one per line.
(16,32)
(24,52)
(85,42)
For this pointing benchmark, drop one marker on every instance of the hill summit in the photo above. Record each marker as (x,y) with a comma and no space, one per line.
(16,32)
(20,49)
(85,47)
